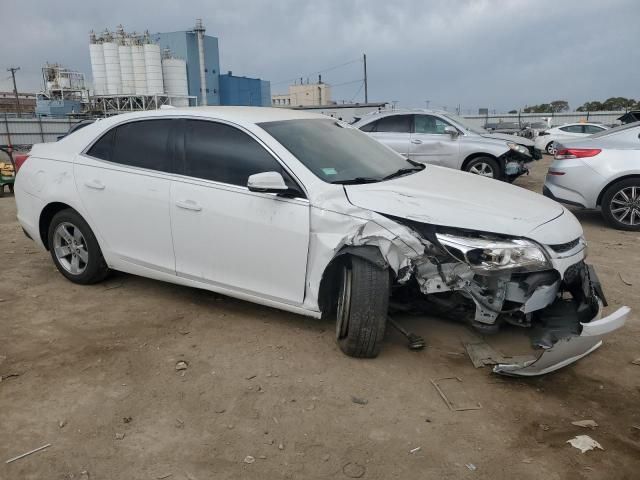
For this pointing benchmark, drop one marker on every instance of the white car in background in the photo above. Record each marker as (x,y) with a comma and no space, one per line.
(601,171)
(546,139)
(301,212)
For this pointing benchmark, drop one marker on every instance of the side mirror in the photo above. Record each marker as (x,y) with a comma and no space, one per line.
(451,131)
(268,182)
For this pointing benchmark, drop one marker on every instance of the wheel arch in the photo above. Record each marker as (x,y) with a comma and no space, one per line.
(329,283)
(613,182)
(480,155)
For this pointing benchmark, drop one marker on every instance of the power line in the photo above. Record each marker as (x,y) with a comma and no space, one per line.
(328,69)
(359,90)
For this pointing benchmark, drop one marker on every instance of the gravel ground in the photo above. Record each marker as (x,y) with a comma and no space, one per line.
(267,394)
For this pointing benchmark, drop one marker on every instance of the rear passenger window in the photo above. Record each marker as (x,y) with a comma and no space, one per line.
(142,144)
(572,129)
(218,152)
(103,148)
(394,123)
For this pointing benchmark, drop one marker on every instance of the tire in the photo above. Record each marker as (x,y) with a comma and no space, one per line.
(550,149)
(485,167)
(622,195)
(74,248)
(363,303)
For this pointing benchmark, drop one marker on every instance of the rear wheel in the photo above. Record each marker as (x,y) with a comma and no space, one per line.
(484,166)
(363,302)
(551,148)
(621,205)
(74,248)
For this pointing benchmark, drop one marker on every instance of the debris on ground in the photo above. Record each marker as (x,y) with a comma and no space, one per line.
(162,477)
(127,419)
(119,436)
(281,446)
(456,397)
(636,361)
(353,470)
(181,365)
(8,375)
(249,459)
(250,377)
(179,423)
(416,342)
(414,450)
(220,410)
(584,443)
(628,284)
(325,458)
(471,466)
(585,424)
(544,427)
(62,423)
(482,354)
(30,452)
(359,401)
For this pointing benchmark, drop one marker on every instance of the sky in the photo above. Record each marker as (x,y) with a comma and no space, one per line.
(497,54)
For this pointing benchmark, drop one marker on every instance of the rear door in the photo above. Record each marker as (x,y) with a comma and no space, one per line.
(430,143)
(393,130)
(226,235)
(123,181)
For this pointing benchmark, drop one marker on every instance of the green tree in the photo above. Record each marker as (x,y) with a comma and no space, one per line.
(513,111)
(559,106)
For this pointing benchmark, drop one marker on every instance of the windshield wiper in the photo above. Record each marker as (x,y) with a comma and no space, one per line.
(356,181)
(405,171)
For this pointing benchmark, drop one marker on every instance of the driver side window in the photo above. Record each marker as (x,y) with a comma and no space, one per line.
(222,153)
(429,124)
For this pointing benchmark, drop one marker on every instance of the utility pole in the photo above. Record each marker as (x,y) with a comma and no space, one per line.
(366,86)
(13,71)
(427,102)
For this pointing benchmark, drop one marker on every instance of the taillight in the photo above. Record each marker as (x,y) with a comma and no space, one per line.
(565,153)
(19,159)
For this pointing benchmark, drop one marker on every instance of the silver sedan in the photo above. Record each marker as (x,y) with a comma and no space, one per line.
(601,171)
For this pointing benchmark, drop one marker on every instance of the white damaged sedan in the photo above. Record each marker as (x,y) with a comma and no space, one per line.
(300,212)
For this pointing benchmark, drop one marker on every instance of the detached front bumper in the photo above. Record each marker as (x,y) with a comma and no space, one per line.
(565,335)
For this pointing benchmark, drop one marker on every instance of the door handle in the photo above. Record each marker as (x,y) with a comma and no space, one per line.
(416,141)
(189,205)
(95,184)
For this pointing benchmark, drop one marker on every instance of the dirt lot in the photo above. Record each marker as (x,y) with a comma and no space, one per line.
(98,363)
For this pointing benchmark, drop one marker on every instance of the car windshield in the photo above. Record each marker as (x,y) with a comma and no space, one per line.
(466,124)
(337,152)
(613,131)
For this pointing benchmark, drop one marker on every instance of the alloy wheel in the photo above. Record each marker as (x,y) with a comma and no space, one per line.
(482,169)
(70,248)
(625,206)
(551,149)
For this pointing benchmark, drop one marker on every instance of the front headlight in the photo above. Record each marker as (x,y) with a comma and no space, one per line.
(519,148)
(495,255)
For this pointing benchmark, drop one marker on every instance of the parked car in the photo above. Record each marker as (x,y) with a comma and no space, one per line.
(75,127)
(301,212)
(601,171)
(444,139)
(545,141)
(533,129)
(509,128)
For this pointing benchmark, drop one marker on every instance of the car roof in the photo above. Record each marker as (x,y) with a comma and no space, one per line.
(369,117)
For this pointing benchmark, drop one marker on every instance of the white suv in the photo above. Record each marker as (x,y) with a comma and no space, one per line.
(301,212)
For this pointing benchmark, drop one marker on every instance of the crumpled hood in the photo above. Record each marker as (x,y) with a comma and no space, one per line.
(510,138)
(446,197)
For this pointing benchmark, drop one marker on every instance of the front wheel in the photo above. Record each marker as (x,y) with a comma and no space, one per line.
(621,205)
(484,166)
(363,303)
(74,248)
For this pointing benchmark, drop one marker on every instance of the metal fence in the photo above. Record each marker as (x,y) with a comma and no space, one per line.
(27,131)
(553,119)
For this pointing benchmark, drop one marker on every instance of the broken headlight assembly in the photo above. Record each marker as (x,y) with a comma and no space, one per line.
(519,148)
(487,255)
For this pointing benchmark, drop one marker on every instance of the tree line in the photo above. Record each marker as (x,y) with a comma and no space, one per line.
(610,104)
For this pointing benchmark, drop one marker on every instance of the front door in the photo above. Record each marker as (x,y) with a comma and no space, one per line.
(226,235)
(430,143)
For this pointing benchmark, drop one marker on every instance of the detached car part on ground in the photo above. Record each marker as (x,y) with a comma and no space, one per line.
(447,140)
(600,172)
(296,211)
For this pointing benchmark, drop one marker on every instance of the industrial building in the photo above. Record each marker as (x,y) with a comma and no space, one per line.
(132,72)
(25,103)
(304,95)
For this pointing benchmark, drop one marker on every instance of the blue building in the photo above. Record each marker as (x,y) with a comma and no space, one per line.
(236,90)
(220,89)
(185,45)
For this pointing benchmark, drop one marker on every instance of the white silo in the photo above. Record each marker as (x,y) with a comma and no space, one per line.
(98,71)
(139,72)
(112,65)
(153,69)
(126,69)
(174,73)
